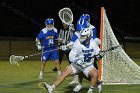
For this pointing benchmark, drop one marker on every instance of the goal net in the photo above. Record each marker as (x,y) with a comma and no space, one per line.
(116,67)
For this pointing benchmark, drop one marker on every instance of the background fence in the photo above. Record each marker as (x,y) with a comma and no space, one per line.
(27,46)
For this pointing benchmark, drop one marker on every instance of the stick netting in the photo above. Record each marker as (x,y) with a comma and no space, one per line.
(66,16)
(15,59)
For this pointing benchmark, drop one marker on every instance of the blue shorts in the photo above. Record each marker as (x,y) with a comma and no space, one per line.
(52,55)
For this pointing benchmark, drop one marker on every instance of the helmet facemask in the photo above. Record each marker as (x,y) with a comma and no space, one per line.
(50,27)
(85,36)
(49,23)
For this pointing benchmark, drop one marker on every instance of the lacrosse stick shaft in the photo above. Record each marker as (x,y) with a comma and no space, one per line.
(40,53)
(105,51)
(110,49)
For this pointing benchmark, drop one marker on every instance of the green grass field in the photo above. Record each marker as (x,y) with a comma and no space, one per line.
(24,79)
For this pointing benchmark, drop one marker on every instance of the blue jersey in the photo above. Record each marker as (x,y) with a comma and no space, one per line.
(48,37)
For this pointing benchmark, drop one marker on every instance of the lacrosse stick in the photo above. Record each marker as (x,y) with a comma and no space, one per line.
(66,15)
(102,53)
(15,59)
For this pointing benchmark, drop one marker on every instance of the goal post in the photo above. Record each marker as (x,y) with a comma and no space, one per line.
(116,67)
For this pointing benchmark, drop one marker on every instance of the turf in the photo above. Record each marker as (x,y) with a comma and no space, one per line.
(24,79)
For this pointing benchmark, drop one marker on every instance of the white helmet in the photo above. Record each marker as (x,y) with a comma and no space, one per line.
(85,35)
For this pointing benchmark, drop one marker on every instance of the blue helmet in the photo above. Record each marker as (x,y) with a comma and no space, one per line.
(85,17)
(81,23)
(49,21)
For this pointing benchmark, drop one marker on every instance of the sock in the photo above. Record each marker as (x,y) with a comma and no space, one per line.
(91,88)
(41,73)
(59,73)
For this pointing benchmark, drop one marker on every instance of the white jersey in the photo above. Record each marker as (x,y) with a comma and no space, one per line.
(79,51)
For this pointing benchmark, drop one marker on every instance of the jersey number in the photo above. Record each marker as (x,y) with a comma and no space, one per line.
(87,57)
(51,42)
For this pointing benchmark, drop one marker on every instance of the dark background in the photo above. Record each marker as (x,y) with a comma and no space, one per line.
(25,18)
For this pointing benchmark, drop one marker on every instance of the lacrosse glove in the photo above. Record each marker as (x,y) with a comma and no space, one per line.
(71,27)
(79,62)
(63,47)
(39,47)
(100,55)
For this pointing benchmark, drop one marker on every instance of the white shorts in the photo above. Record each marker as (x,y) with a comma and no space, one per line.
(77,69)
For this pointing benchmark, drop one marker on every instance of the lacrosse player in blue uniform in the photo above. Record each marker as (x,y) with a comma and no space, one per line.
(84,22)
(46,41)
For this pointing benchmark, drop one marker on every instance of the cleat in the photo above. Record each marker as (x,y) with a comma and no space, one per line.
(77,88)
(75,80)
(48,87)
(54,69)
(90,91)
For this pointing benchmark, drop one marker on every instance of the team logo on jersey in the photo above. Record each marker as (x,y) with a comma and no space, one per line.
(87,51)
(49,37)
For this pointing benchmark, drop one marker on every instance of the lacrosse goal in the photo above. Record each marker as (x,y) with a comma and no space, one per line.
(116,67)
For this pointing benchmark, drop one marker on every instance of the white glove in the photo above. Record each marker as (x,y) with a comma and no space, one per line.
(80,62)
(63,47)
(71,27)
(39,47)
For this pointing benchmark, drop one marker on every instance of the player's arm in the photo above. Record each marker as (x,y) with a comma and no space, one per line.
(75,57)
(98,52)
(58,36)
(94,33)
(38,42)
(69,45)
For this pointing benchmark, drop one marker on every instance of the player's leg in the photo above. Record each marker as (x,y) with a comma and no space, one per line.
(78,86)
(61,54)
(99,82)
(93,73)
(54,56)
(44,59)
(81,76)
(57,65)
(74,80)
(95,63)
(67,72)
(75,77)
(41,70)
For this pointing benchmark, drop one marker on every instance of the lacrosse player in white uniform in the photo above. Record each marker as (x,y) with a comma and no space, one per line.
(91,28)
(82,60)
(83,22)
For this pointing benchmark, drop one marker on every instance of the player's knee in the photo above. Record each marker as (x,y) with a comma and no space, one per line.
(95,75)
(63,76)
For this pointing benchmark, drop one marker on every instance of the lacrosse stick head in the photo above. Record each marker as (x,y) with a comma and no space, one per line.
(15,59)
(66,15)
